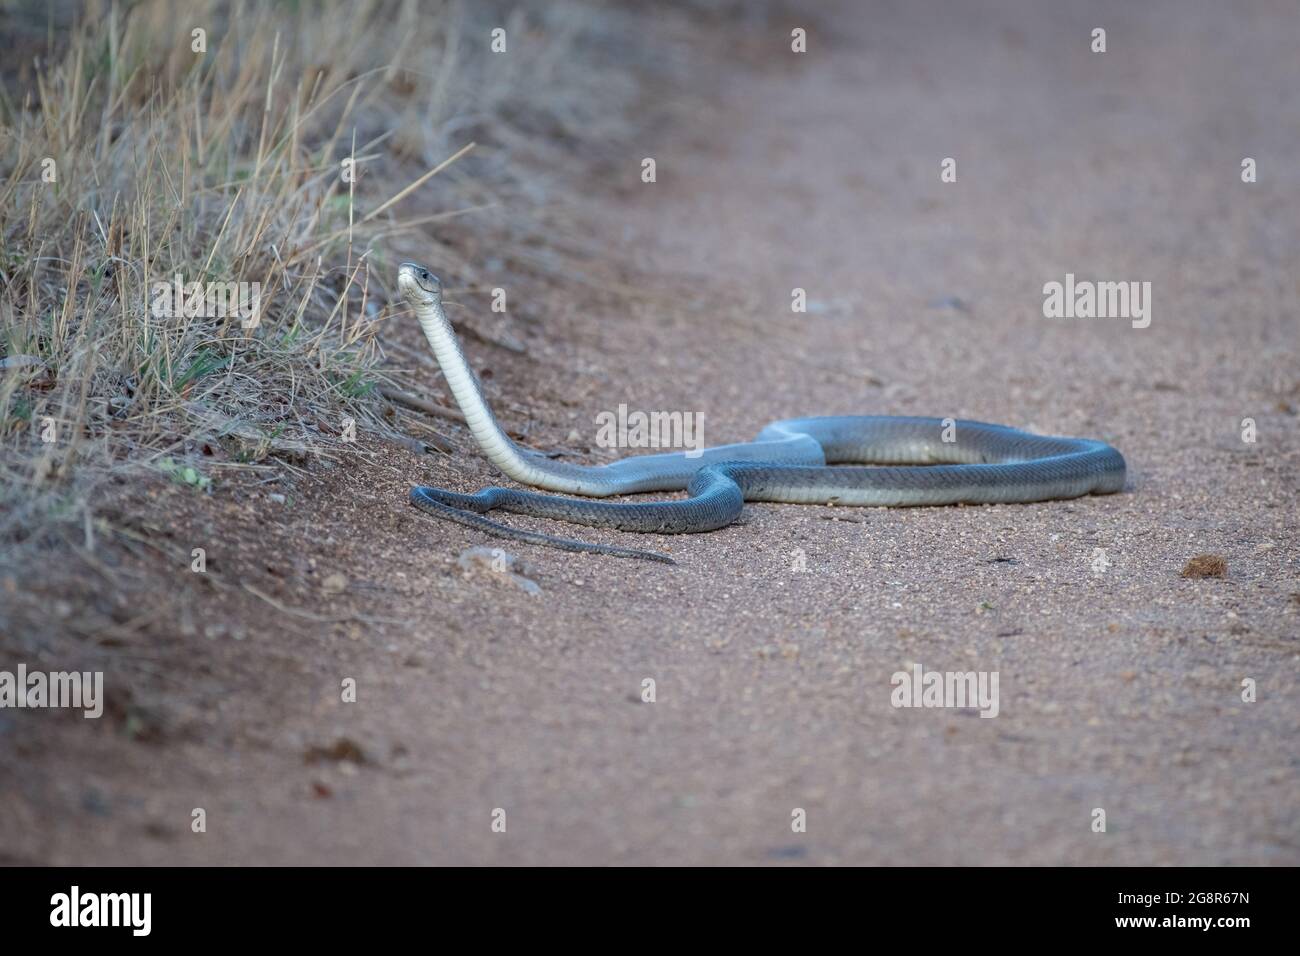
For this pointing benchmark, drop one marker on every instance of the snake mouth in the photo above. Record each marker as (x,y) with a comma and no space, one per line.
(413,274)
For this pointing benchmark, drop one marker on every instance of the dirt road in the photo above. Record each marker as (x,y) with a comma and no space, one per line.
(772,644)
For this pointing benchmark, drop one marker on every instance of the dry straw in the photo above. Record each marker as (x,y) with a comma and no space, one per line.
(225,165)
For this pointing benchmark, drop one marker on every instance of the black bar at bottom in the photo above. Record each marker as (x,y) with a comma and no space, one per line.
(332,907)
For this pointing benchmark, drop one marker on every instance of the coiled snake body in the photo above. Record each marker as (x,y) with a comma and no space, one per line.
(803,461)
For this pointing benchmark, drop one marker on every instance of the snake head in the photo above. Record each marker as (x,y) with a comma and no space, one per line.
(418,284)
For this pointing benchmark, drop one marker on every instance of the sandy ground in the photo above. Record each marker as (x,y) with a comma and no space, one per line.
(1120,685)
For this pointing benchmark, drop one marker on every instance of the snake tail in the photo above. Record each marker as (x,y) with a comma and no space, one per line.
(467,510)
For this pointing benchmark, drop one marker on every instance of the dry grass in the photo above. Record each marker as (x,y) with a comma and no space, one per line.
(226,167)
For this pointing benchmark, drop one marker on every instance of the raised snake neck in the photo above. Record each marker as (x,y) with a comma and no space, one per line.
(910,463)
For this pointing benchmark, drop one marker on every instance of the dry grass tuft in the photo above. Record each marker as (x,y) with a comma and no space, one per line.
(127,159)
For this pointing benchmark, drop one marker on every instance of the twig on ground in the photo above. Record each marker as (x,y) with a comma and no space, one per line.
(422,405)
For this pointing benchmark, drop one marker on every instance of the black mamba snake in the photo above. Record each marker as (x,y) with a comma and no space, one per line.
(799,461)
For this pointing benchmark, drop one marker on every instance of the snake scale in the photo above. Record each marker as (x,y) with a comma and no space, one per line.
(843,460)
